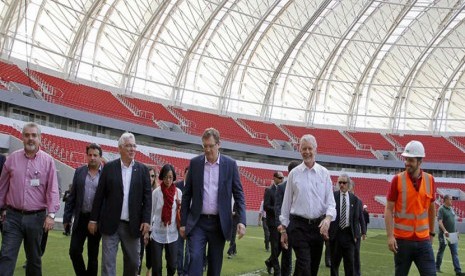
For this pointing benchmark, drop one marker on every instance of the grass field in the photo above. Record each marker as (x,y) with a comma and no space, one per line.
(375,257)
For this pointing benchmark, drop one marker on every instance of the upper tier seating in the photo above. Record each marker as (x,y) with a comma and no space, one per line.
(91,99)
(438,149)
(10,72)
(265,129)
(152,110)
(374,140)
(228,128)
(330,142)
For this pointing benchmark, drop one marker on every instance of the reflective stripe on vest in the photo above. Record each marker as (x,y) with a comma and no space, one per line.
(408,221)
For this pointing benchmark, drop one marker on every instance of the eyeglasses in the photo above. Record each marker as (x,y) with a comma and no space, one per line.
(130,146)
(279,177)
(211,146)
(342,182)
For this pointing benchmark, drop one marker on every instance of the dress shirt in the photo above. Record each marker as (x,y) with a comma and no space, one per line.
(160,232)
(18,178)
(309,194)
(90,188)
(346,195)
(211,174)
(126,173)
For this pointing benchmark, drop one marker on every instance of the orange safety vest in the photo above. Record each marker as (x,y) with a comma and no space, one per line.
(411,208)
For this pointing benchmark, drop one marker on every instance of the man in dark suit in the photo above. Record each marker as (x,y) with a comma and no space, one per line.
(2,162)
(79,206)
(122,208)
(206,211)
(183,247)
(269,207)
(345,230)
(286,253)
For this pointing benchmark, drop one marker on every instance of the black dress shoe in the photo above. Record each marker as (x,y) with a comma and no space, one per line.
(268,266)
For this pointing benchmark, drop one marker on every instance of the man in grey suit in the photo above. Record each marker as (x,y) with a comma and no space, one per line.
(79,206)
(121,208)
(206,211)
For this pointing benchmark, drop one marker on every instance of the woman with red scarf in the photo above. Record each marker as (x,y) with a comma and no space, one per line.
(164,235)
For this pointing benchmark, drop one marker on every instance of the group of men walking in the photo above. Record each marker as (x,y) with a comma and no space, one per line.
(113,203)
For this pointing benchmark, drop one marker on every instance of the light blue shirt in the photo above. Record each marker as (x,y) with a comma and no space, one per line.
(211,175)
(90,187)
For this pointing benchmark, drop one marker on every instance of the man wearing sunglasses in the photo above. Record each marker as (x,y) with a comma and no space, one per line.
(345,230)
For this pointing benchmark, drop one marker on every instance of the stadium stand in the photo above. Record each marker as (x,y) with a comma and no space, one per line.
(228,128)
(83,97)
(152,110)
(438,148)
(264,129)
(330,142)
(12,73)
(375,141)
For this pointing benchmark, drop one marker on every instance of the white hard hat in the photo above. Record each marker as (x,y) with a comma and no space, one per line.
(364,206)
(414,149)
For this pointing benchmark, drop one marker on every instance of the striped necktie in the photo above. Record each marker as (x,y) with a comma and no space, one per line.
(342,220)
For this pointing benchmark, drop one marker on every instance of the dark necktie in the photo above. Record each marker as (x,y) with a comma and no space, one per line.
(342,221)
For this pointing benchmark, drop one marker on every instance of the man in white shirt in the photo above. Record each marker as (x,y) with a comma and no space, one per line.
(308,209)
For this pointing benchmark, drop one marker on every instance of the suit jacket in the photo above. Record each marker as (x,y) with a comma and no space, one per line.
(75,198)
(2,162)
(180,185)
(278,201)
(108,201)
(229,186)
(269,204)
(354,216)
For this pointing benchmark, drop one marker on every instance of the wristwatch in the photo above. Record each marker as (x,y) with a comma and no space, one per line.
(432,234)
(51,215)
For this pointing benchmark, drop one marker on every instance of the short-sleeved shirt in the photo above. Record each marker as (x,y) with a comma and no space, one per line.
(447,215)
(394,193)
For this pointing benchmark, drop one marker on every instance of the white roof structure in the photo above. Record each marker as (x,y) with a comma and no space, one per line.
(397,65)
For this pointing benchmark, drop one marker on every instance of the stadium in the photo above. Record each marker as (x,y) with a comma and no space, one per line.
(363,77)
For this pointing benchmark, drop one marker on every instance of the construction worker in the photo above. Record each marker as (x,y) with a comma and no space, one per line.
(410,215)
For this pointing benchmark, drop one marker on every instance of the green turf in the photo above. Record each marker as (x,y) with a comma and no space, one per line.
(375,257)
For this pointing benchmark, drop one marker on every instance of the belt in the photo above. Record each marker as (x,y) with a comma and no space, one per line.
(306,220)
(124,221)
(25,212)
(209,216)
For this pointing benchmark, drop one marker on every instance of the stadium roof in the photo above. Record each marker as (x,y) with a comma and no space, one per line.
(395,65)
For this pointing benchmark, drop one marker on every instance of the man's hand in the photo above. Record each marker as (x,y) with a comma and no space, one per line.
(146,238)
(446,234)
(240,230)
(364,236)
(324,227)
(3,216)
(284,240)
(392,244)
(66,224)
(259,222)
(48,224)
(144,228)
(92,227)
(182,232)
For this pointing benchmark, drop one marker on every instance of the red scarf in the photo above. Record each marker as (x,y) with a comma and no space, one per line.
(168,199)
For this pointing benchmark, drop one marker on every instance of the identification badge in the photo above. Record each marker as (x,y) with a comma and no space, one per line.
(35,182)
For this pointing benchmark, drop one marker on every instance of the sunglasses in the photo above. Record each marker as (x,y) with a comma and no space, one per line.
(279,177)
(152,175)
(342,182)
